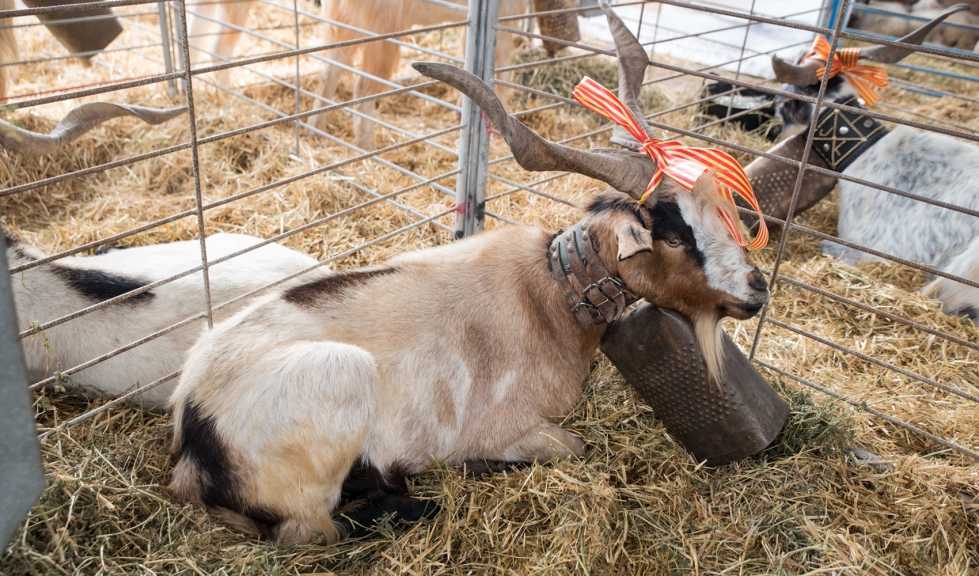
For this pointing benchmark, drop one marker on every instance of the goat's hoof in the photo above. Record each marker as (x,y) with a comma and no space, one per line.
(481,468)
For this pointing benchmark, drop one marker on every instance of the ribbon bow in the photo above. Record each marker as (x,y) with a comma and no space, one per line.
(862,78)
(677,160)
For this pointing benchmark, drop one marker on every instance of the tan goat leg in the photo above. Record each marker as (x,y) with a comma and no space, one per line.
(330,76)
(236,14)
(380,60)
(545,442)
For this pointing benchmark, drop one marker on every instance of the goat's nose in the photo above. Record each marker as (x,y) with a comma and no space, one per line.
(757,280)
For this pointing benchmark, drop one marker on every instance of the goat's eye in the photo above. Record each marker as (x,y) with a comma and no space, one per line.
(673,242)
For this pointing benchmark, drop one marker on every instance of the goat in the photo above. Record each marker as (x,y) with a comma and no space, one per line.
(381,58)
(8,47)
(203,19)
(54,289)
(930,165)
(342,386)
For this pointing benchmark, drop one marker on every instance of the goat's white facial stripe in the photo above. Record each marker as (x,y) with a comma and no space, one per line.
(725,265)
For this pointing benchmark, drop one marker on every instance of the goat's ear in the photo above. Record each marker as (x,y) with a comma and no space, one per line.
(632,238)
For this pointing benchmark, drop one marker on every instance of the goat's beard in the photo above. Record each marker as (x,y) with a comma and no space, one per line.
(709,334)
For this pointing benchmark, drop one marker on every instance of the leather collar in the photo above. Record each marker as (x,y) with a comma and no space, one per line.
(841,136)
(594,296)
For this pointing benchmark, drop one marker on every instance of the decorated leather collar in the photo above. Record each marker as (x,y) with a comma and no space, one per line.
(842,136)
(595,297)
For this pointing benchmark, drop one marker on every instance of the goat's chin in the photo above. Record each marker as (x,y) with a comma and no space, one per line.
(708,331)
(741,310)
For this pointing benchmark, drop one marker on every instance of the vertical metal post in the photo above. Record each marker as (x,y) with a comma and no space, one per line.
(474,143)
(195,158)
(165,42)
(834,40)
(21,472)
(295,13)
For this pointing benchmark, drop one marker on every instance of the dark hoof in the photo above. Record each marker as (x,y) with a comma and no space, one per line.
(480,468)
(390,507)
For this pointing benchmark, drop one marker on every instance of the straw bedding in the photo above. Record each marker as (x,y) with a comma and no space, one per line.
(637,504)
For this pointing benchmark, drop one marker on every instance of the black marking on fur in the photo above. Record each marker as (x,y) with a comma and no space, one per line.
(618,202)
(99,286)
(970,312)
(108,249)
(358,523)
(10,239)
(668,223)
(219,484)
(797,113)
(365,481)
(310,293)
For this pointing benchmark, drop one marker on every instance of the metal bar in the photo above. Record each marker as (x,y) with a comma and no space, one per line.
(75,55)
(872,360)
(22,475)
(165,43)
(804,163)
(42,327)
(115,402)
(878,311)
(73,7)
(192,123)
(378,198)
(863,407)
(474,141)
(77,20)
(370,34)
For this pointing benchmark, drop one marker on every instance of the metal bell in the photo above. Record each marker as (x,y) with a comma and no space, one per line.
(657,353)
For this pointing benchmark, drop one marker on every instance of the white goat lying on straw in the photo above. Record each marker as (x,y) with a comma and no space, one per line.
(55,289)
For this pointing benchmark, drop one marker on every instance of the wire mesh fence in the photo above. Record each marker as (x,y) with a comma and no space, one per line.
(262,150)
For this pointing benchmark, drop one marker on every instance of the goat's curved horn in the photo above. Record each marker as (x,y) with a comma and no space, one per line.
(624,170)
(772,180)
(796,74)
(892,54)
(632,69)
(74,124)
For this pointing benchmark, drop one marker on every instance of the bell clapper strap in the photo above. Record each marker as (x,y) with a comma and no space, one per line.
(595,297)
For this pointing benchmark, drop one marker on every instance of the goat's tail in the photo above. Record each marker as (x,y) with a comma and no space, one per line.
(8,47)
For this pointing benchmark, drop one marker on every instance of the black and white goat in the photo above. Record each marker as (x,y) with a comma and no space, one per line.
(343,385)
(926,164)
(55,289)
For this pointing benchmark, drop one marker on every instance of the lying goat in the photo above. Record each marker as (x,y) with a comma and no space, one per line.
(52,290)
(346,384)
(930,165)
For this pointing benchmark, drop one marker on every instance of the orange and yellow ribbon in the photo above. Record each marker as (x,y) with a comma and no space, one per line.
(862,78)
(677,160)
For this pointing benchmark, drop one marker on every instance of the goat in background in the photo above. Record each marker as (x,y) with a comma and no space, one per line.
(54,289)
(927,164)
(381,58)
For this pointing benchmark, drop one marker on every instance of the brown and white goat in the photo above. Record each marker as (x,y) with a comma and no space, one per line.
(339,387)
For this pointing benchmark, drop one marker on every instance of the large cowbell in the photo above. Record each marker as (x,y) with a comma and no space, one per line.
(657,353)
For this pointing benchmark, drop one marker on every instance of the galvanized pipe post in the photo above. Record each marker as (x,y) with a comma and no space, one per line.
(165,43)
(474,143)
(21,473)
